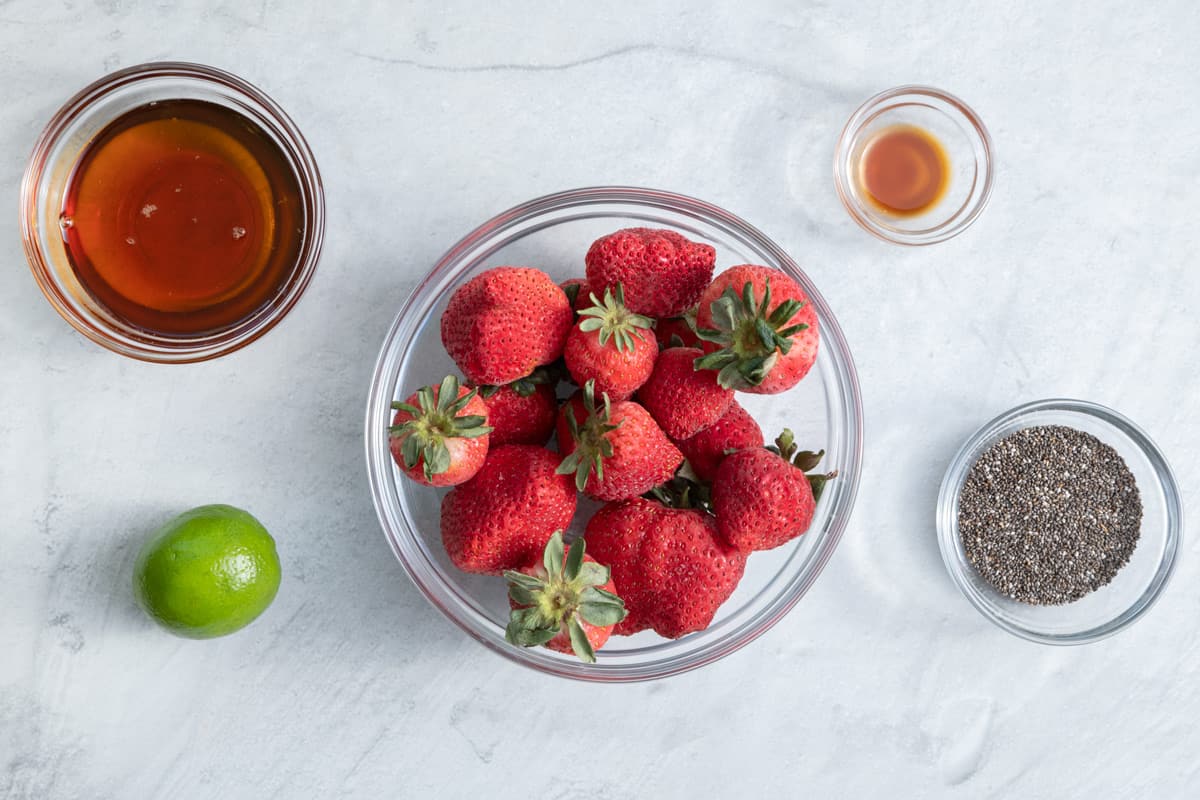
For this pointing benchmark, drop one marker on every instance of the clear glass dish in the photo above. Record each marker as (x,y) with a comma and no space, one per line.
(55,155)
(553,233)
(1138,584)
(968,148)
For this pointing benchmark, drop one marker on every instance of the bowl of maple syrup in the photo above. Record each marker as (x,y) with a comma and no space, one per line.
(914,165)
(172,212)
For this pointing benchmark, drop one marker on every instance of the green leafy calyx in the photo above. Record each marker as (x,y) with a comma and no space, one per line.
(804,460)
(523,386)
(591,436)
(688,318)
(571,290)
(613,321)
(436,417)
(562,592)
(685,489)
(751,335)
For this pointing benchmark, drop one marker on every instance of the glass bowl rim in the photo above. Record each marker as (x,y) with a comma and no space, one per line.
(791,591)
(147,346)
(951,227)
(956,473)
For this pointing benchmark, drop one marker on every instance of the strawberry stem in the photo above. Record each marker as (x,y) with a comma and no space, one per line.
(614,320)
(571,290)
(523,386)
(684,490)
(563,593)
(435,418)
(751,334)
(804,460)
(591,437)
(817,482)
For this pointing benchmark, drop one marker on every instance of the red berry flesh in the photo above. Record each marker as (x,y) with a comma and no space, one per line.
(662,271)
(688,570)
(761,501)
(521,419)
(681,399)
(502,518)
(736,430)
(503,323)
(614,536)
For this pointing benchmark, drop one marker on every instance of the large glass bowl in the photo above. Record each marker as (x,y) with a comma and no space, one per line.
(553,233)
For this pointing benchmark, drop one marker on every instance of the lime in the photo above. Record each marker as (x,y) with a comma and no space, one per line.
(208,572)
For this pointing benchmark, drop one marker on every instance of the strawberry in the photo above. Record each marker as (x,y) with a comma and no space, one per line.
(521,412)
(566,602)
(614,536)
(502,518)
(440,437)
(759,330)
(736,430)
(688,570)
(677,331)
(504,322)
(663,272)
(609,345)
(682,399)
(577,293)
(671,564)
(616,450)
(763,498)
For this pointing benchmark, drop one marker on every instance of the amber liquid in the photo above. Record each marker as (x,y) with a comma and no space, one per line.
(904,170)
(183,218)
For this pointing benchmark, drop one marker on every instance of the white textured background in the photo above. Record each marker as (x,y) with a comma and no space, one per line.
(1081,279)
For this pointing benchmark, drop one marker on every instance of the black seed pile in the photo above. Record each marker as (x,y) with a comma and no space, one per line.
(1049,514)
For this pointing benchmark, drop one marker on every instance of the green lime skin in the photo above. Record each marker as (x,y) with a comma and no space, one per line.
(208,572)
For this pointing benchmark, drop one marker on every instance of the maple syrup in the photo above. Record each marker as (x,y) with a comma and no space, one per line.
(904,170)
(183,218)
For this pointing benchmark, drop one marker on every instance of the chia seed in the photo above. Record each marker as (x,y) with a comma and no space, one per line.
(1049,514)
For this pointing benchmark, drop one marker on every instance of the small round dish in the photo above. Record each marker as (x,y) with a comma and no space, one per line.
(553,233)
(968,148)
(1136,586)
(54,160)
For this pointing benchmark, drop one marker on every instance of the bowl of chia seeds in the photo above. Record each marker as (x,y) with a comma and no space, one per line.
(1060,521)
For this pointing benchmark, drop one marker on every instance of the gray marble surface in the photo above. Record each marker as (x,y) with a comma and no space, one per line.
(1079,280)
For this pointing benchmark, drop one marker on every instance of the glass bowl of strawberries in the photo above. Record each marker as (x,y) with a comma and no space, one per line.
(615,434)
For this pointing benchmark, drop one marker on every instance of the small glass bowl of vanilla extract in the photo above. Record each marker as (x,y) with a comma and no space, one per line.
(913,165)
(172,212)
